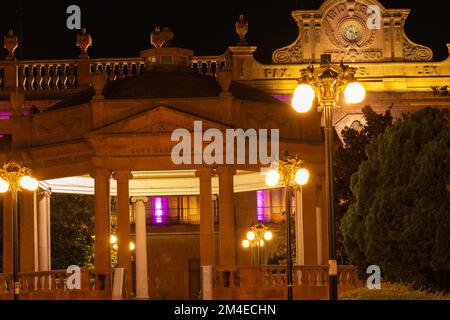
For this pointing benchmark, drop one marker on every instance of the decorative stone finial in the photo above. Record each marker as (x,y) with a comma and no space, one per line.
(10,43)
(225,78)
(98,83)
(162,38)
(241,30)
(84,41)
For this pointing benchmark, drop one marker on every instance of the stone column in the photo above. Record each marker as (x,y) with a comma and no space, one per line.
(207,238)
(102,220)
(44,230)
(299,237)
(306,226)
(8,241)
(141,248)
(227,216)
(28,231)
(123,224)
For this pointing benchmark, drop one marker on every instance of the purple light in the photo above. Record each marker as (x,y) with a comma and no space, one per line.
(283,97)
(260,205)
(160,209)
(5,115)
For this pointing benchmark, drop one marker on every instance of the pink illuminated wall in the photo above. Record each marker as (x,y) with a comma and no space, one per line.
(260,205)
(160,210)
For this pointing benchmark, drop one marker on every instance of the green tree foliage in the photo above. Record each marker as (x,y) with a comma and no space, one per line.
(72,227)
(278,256)
(401,216)
(348,157)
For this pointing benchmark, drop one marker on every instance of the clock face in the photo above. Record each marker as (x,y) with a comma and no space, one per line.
(352,33)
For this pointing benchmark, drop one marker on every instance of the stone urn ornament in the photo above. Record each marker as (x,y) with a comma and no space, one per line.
(84,41)
(98,83)
(241,29)
(161,38)
(225,78)
(10,43)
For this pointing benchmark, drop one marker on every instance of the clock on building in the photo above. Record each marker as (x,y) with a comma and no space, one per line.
(352,33)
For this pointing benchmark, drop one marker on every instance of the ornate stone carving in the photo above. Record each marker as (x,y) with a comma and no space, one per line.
(416,52)
(241,27)
(350,32)
(289,54)
(353,31)
(162,38)
(10,43)
(59,127)
(160,126)
(84,41)
(442,91)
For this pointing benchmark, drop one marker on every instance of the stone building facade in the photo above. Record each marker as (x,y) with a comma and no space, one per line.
(104,126)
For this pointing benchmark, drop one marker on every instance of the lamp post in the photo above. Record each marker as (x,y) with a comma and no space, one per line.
(290,169)
(256,238)
(15,177)
(325,84)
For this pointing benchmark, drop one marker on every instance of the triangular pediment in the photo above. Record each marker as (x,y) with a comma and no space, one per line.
(157,120)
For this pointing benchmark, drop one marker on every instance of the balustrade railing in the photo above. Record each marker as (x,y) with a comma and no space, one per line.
(208,66)
(62,76)
(47,76)
(118,68)
(267,281)
(53,284)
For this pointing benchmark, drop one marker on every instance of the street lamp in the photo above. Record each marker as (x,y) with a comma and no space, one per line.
(290,169)
(325,84)
(15,177)
(255,239)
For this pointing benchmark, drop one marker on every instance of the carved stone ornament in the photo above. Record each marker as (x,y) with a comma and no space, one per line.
(416,52)
(292,53)
(84,41)
(10,43)
(241,27)
(353,31)
(161,38)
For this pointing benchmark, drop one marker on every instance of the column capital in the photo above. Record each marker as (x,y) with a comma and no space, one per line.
(226,170)
(43,193)
(100,172)
(122,175)
(205,173)
(139,199)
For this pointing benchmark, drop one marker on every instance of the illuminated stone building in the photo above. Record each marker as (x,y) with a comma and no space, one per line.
(103,127)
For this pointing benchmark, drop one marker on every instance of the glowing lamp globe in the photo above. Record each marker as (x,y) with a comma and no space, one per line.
(354,92)
(261,243)
(302,176)
(113,239)
(245,244)
(268,235)
(303,98)
(29,183)
(132,246)
(4,186)
(251,236)
(272,178)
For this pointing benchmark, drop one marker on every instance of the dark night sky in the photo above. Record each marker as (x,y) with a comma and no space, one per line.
(122,28)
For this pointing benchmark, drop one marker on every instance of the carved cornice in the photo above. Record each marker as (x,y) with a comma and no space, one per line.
(416,52)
